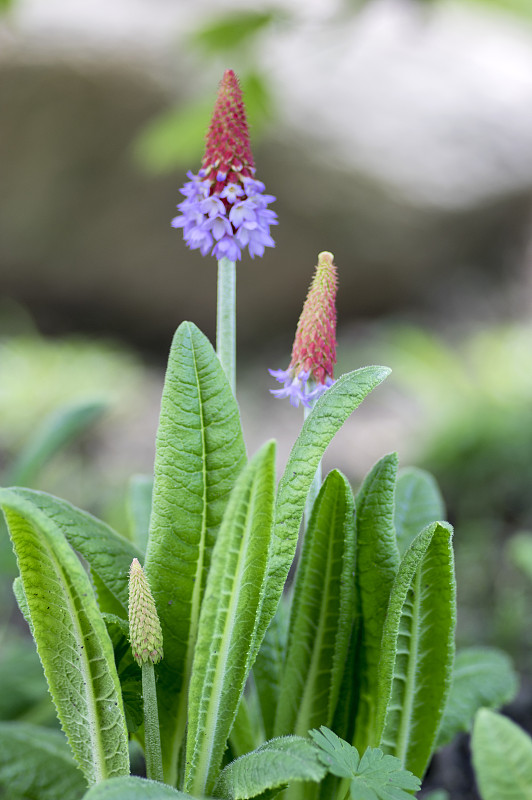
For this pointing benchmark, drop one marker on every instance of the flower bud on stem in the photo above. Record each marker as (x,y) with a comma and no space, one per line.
(147,645)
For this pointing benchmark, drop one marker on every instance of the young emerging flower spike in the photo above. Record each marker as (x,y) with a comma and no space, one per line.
(310,371)
(224,209)
(145,632)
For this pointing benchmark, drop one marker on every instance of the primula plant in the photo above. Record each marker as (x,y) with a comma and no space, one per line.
(192,648)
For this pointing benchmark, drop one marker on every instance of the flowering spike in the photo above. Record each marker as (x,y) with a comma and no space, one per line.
(145,632)
(224,209)
(314,350)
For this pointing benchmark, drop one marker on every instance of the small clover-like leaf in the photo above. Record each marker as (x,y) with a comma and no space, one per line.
(340,757)
(375,776)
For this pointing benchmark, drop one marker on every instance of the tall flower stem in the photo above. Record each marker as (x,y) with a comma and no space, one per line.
(316,481)
(226,319)
(152,744)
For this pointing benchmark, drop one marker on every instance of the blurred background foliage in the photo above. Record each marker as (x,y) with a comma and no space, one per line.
(78,413)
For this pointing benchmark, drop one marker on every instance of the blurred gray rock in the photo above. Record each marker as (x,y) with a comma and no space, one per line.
(402,144)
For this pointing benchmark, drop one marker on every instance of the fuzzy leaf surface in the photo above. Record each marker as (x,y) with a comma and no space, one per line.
(416,665)
(322,613)
(268,667)
(108,554)
(482,676)
(375,776)
(377,559)
(133,788)
(502,757)
(72,640)
(199,454)
(229,619)
(274,764)
(326,418)
(36,762)
(418,502)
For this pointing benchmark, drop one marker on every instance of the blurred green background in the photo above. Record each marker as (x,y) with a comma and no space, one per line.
(396,134)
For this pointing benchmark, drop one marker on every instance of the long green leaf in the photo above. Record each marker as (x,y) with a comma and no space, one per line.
(58,430)
(416,665)
(72,640)
(276,763)
(108,554)
(482,676)
(377,559)
(502,757)
(322,613)
(140,490)
(200,452)
(268,667)
(418,502)
(229,619)
(134,788)
(327,417)
(37,763)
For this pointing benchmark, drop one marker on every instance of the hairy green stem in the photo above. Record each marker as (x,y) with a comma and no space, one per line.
(226,319)
(315,486)
(152,749)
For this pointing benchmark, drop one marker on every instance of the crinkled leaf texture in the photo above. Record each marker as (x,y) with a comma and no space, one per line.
(377,562)
(322,613)
(415,669)
(199,454)
(37,763)
(230,615)
(326,418)
(133,788)
(274,764)
(375,776)
(502,757)
(268,667)
(72,640)
(108,554)
(482,676)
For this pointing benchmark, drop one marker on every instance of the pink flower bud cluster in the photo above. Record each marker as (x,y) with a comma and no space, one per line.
(311,369)
(225,208)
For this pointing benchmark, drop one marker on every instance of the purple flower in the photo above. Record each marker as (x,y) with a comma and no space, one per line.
(297,388)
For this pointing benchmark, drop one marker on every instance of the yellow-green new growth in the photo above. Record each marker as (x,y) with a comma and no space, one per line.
(145,632)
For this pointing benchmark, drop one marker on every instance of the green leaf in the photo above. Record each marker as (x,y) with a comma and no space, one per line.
(37,763)
(481,677)
(139,494)
(71,638)
(274,764)
(322,613)
(377,559)
(375,776)
(108,554)
(231,30)
(268,667)
(416,665)
(327,417)
(129,673)
(418,502)
(229,619)
(520,552)
(502,757)
(134,788)
(200,452)
(244,736)
(57,431)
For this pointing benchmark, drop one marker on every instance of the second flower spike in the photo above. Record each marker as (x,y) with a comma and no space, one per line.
(225,208)
(311,369)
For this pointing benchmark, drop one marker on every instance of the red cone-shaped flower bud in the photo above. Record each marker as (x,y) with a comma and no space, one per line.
(314,350)
(145,632)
